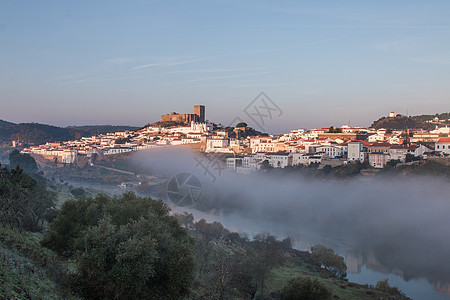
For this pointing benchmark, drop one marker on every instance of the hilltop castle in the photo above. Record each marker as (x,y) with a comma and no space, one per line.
(198,116)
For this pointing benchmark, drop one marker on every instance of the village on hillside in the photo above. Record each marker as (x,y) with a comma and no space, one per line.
(247,152)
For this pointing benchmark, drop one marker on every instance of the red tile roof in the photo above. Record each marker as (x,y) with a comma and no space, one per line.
(364,142)
(444,140)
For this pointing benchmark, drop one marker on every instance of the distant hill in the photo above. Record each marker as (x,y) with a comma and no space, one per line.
(2,122)
(403,122)
(35,133)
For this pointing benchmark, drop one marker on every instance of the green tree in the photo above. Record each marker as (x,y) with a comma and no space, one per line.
(124,247)
(185,219)
(304,288)
(384,286)
(24,202)
(329,260)
(332,129)
(78,192)
(211,230)
(24,161)
(241,124)
(266,253)
(265,165)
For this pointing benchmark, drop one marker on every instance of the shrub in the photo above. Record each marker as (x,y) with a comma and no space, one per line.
(332,262)
(304,288)
(124,247)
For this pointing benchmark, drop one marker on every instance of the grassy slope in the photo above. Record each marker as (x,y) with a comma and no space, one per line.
(25,267)
(295,266)
(22,278)
(341,288)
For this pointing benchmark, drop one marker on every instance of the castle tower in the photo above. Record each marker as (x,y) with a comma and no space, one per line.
(199,110)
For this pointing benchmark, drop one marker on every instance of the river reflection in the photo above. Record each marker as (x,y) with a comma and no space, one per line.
(368,270)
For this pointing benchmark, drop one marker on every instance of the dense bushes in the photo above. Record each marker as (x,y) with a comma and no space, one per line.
(230,266)
(24,202)
(124,247)
(329,260)
(304,288)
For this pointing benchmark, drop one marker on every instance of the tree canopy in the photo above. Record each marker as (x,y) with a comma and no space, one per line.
(124,247)
(24,202)
(329,260)
(24,161)
(304,288)
(241,124)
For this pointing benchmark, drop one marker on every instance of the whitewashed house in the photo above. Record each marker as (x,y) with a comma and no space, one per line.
(443,145)
(280,160)
(331,151)
(355,151)
(378,159)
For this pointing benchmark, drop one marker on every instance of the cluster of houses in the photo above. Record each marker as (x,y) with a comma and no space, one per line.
(376,155)
(121,142)
(318,146)
(324,146)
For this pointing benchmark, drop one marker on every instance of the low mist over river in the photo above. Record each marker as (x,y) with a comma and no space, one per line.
(391,225)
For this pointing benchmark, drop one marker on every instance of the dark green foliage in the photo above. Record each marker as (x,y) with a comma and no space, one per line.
(411,157)
(239,273)
(27,270)
(166,124)
(24,203)
(266,253)
(383,286)
(34,133)
(24,161)
(78,192)
(185,219)
(121,141)
(27,244)
(3,122)
(392,163)
(304,288)
(332,129)
(327,169)
(76,216)
(329,260)
(124,247)
(266,165)
(241,124)
(211,230)
(404,122)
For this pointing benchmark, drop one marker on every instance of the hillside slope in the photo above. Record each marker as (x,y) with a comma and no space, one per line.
(402,122)
(35,133)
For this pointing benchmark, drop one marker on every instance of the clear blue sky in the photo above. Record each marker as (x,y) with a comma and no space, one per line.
(127,62)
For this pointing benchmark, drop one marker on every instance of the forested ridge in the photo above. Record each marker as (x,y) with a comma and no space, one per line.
(35,133)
